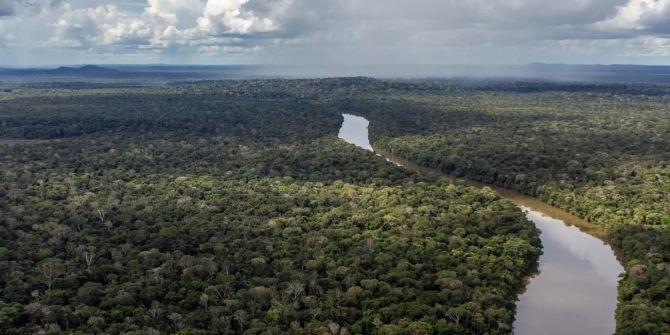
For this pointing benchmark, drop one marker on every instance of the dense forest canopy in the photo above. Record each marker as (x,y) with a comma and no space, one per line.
(601,152)
(230,207)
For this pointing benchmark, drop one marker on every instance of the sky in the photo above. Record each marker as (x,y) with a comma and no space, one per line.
(342,32)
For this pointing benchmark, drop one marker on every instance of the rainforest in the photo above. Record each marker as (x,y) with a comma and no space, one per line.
(134,206)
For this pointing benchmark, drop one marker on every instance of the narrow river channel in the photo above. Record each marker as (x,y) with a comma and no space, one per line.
(575,289)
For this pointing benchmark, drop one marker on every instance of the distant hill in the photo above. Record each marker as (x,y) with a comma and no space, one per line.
(601,73)
(534,71)
(65,71)
(87,70)
(140,72)
(99,72)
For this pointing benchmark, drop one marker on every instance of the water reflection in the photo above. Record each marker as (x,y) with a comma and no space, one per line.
(354,130)
(583,246)
(575,291)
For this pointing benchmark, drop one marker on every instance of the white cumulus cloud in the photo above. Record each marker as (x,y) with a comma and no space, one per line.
(229,16)
(641,15)
(424,31)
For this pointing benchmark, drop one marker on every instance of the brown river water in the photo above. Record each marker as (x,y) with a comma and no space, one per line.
(575,288)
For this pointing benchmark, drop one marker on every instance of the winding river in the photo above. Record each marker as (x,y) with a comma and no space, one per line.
(575,288)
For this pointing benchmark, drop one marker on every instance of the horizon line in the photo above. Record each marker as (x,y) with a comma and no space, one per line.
(58,65)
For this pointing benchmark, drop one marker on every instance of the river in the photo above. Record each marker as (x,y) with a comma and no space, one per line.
(575,288)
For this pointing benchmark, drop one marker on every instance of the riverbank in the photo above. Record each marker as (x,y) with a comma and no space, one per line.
(564,295)
(574,289)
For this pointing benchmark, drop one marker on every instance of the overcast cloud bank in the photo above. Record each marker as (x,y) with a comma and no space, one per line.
(334,31)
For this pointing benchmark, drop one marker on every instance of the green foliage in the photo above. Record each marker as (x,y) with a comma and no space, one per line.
(229,208)
(600,152)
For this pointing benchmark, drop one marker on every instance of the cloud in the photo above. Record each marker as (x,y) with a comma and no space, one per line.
(6,7)
(179,13)
(648,16)
(231,17)
(14,7)
(202,27)
(104,25)
(342,31)
(488,13)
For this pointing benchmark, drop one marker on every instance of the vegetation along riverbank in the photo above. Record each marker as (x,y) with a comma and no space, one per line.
(231,207)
